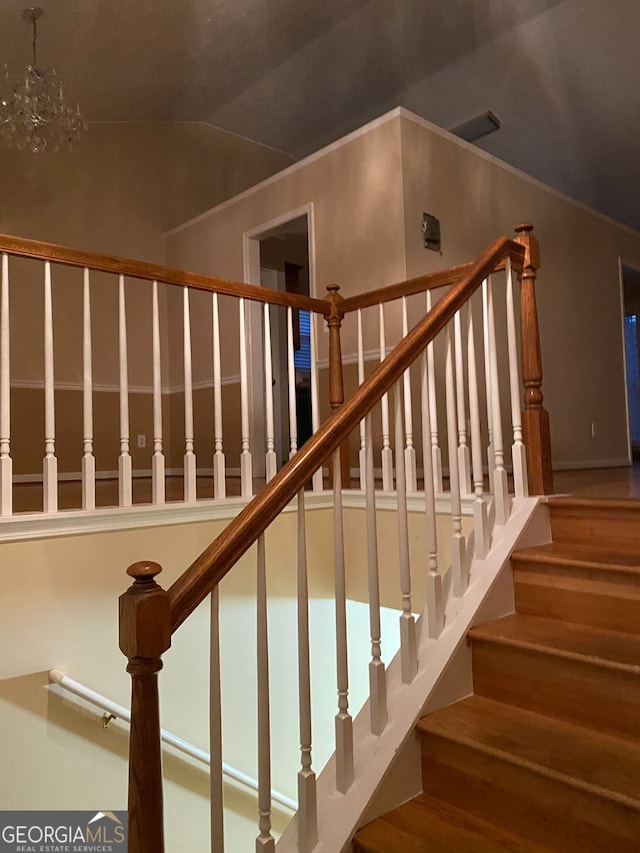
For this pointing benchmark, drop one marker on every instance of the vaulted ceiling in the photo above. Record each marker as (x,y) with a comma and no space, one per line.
(562,75)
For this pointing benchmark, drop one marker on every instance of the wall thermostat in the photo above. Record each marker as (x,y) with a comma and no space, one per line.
(431,232)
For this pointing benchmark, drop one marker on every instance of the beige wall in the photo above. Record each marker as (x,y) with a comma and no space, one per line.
(477,199)
(28,430)
(124,184)
(369,193)
(117,192)
(358,214)
(357,235)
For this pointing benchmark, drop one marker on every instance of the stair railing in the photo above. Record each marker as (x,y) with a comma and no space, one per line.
(149,615)
(138,296)
(534,420)
(94,302)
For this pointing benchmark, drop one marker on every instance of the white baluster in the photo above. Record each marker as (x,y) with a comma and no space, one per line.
(501,498)
(219,481)
(409,450)
(464,460)
(343,720)
(518,451)
(435,601)
(482,536)
(215,729)
(6,463)
(408,651)
(88,459)
(436,454)
(189,455)
(387,455)
(50,462)
(459,570)
(291,384)
(487,380)
(270,456)
(362,462)
(124,460)
(318,485)
(307,802)
(265,840)
(377,678)
(157,460)
(246,474)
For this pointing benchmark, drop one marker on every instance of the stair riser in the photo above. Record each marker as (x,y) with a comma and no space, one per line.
(524,802)
(588,597)
(573,690)
(599,527)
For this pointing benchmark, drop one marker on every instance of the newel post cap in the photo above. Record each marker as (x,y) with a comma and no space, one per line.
(334,298)
(144,571)
(531,245)
(145,614)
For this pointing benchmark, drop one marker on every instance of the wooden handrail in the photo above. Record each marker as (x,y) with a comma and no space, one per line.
(190,589)
(36,250)
(431,281)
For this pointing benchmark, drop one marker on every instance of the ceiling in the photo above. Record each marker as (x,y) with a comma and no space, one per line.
(563,76)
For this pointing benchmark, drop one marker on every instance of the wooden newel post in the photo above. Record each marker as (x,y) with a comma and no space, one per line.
(145,633)
(336,383)
(535,418)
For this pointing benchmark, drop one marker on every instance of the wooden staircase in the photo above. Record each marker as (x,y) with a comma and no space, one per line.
(546,754)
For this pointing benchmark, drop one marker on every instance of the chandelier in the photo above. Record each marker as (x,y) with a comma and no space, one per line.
(34,114)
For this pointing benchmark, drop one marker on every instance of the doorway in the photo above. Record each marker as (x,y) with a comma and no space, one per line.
(630,280)
(279,255)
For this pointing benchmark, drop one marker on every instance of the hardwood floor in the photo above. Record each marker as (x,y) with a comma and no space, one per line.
(27,497)
(599,482)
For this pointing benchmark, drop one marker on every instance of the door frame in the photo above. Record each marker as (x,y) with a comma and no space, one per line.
(621,265)
(254,326)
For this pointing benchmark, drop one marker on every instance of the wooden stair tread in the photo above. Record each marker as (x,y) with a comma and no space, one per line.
(600,559)
(547,755)
(613,649)
(599,763)
(428,825)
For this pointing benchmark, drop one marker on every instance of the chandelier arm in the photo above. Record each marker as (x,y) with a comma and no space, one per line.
(35,40)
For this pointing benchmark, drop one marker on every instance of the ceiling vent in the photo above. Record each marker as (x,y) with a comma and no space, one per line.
(477,127)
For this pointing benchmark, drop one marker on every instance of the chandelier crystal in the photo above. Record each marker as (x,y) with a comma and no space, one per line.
(33,113)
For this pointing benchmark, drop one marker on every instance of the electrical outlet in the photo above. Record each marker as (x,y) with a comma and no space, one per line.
(142,441)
